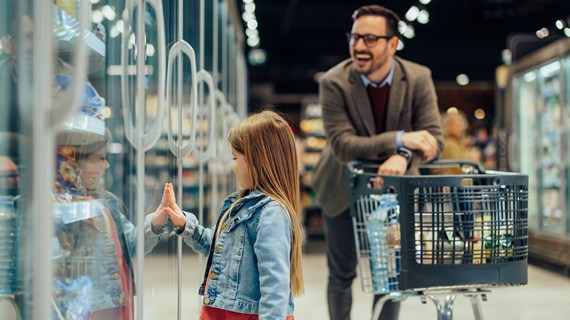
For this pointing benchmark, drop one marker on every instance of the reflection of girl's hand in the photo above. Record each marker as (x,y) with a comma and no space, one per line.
(160,217)
(173,210)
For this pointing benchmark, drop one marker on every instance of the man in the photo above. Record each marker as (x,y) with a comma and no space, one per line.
(376,106)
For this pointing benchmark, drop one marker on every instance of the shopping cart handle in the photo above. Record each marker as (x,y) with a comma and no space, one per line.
(476,167)
(357,167)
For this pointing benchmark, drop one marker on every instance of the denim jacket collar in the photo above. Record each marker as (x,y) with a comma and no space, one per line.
(239,203)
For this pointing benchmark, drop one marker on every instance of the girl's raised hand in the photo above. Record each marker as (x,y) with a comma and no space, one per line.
(173,210)
(160,216)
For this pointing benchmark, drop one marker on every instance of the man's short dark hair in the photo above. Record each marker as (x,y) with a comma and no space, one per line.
(392,19)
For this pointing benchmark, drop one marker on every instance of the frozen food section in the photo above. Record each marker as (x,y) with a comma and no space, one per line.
(538,121)
(103,102)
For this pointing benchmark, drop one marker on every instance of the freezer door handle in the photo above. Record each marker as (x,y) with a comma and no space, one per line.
(205,77)
(179,49)
(151,137)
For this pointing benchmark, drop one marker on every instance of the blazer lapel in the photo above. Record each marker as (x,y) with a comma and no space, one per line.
(396,97)
(362,104)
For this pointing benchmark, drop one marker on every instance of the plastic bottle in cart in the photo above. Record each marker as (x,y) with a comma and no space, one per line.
(393,238)
(377,230)
(7,245)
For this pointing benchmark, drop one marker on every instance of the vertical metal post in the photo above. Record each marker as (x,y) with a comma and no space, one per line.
(140,150)
(43,144)
(179,159)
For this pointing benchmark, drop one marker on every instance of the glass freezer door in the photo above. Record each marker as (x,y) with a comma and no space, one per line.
(566,90)
(525,137)
(551,166)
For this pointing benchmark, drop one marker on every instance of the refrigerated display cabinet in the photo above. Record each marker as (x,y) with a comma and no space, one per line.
(537,117)
(167,79)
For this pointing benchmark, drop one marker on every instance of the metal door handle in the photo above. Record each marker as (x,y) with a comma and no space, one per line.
(206,77)
(186,49)
(151,137)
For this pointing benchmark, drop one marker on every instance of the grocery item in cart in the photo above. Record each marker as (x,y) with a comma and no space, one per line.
(383,231)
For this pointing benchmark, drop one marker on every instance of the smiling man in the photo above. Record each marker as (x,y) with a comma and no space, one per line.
(376,106)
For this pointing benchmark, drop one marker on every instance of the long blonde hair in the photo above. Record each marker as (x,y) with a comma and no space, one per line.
(268,144)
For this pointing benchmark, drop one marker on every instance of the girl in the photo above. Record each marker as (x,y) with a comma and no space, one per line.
(254,252)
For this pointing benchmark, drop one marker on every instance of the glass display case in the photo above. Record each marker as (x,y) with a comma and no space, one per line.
(539,141)
(102,103)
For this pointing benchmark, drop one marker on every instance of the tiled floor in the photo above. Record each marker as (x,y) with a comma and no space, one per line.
(546,297)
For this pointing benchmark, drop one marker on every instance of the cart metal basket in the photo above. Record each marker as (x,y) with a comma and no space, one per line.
(439,233)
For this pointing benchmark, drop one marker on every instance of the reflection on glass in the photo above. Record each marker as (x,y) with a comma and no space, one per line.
(525,128)
(567,133)
(550,135)
(94,241)
(15,59)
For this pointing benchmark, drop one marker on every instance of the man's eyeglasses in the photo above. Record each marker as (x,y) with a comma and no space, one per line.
(369,39)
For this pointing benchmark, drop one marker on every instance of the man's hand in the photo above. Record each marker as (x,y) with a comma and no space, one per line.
(394,166)
(421,141)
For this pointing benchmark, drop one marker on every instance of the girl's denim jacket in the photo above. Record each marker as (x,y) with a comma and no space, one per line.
(248,269)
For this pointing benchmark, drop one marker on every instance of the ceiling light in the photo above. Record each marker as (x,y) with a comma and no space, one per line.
(253,42)
(462,79)
(412,13)
(452,110)
(409,32)
(425,1)
(249,7)
(109,12)
(257,57)
(507,57)
(402,26)
(567,32)
(542,33)
(559,24)
(423,17)
(114,32)
(529,76)
(252,24)
(96,16)
(246,16)
(251,32)
(550,68)
(400,45)
(479,114)
(120,25)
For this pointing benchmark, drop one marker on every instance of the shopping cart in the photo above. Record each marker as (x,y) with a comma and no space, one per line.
(438,236)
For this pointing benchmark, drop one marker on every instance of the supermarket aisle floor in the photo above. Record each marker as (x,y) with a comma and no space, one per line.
(547,296)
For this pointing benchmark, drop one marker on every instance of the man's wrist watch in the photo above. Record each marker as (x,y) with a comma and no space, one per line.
(405,152)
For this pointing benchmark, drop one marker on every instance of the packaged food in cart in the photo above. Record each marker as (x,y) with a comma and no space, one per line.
(417,234)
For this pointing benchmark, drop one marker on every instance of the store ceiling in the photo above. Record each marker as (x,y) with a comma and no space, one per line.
(304,37)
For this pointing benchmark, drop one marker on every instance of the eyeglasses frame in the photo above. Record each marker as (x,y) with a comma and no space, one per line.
(350,38)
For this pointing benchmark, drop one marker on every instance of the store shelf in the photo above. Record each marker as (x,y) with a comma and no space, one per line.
(66,33)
